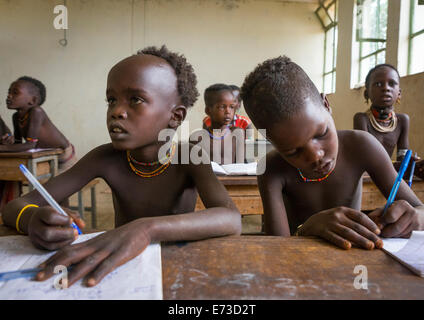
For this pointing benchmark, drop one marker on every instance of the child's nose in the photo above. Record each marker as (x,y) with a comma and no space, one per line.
(119,112)
(314,154)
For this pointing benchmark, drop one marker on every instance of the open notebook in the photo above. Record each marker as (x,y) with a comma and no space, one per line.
(409,252)
(235,169)
(139,278)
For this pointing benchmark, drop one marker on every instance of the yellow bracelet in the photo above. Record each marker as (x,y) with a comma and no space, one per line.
(20,214)
(297,229)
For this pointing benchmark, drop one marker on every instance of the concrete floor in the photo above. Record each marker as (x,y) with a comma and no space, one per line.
(105,212)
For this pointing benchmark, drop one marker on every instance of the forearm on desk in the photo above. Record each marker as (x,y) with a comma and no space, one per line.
(213,222)
(11,211)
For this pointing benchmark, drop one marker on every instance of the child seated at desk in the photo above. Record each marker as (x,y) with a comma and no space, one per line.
(312,183)
(381,120)
(31,123)
(223,142)
(239,121)
(154,195)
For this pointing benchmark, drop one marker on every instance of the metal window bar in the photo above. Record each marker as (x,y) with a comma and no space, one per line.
(362,40)
(331,25)
(412,34)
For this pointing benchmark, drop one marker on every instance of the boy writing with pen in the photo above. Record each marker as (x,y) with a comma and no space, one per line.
(154,196)
(313,179)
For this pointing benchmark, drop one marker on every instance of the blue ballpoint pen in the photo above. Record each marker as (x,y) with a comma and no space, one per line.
(411,174)
(45,194)
(395,188)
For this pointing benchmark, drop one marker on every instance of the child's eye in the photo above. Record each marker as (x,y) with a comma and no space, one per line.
(324,134)
(136,100)
(290,154)
(110,101)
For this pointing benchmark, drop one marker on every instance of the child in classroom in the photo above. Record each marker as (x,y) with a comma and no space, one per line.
(223,142)
(26,95)
(313,179)
(239,121)
(154,194)
(382,87)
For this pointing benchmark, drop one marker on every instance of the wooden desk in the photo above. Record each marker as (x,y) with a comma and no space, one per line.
(263,267)
(42,164)
(372,197)
(245,194)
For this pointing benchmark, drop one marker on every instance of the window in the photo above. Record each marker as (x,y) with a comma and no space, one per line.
(371,34)
(416,37)
(327,15)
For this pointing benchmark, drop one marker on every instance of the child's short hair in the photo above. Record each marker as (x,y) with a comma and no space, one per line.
(212,90)
(236,88)
(276,90)
(39,87)
(186,78)
(378,66)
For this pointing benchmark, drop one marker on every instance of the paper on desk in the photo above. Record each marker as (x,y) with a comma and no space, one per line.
(409,252)
(140,278)
(235,168)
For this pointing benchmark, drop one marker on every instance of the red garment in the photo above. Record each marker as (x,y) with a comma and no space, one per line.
(239,121)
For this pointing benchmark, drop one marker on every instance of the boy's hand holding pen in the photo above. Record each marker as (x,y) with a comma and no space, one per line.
(399,218)
(50,227)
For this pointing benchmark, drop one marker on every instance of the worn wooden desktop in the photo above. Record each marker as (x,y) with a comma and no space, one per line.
(43,164)
(245,194)
(264,267)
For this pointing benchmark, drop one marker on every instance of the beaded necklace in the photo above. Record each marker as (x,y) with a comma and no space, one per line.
(314,180)
(375,121)
(150,164)
(227,130)
(23,119)
(155,172)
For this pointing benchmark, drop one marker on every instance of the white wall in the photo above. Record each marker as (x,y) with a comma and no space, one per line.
(222,39)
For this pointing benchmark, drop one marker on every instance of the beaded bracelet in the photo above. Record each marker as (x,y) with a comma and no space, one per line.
(20,214)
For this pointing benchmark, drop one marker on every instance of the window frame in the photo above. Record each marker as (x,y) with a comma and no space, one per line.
(332,25)
(361,40)
(412,34)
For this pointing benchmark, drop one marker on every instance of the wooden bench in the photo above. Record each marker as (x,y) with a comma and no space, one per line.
(92,208)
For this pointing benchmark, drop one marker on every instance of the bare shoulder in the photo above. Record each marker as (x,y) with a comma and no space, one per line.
(38,112)
(403,118)
(355,139)
(102,153)
(359,145)
(360,116)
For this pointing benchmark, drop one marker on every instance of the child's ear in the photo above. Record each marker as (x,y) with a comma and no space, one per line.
(366,95)
(326,103)
(33,101)
(178,116)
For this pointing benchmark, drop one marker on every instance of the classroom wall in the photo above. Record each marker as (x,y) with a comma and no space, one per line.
(223,40)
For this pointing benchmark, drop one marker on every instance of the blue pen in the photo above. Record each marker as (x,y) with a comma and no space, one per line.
(395,188)
(411,174)
(45,194)
(25,273)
